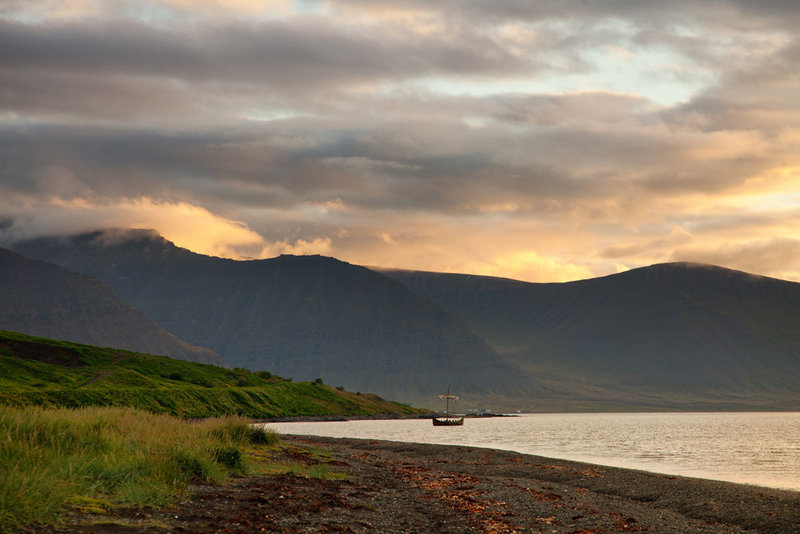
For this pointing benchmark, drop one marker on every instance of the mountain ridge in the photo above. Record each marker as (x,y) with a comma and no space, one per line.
(687,326)
(298,316)
(679,335)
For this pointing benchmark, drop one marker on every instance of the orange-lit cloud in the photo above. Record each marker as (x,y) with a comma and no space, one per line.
(186,225)
(529,266)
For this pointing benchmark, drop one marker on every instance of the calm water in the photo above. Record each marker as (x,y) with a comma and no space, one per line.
(751,448)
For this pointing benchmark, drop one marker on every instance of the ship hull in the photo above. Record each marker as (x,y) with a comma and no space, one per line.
(448,421)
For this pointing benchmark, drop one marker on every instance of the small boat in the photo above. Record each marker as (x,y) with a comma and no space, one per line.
(448,420)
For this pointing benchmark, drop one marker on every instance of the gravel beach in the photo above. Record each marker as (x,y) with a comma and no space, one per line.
(395,487)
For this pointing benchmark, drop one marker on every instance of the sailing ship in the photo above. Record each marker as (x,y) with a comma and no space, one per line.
(448,420)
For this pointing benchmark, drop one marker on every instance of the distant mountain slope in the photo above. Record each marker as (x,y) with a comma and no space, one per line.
(43,299)
(303,317)
(669,329)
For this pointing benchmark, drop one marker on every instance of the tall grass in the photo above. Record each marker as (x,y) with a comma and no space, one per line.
(51,460)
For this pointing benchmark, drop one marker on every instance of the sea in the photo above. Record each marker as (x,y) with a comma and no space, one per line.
(761,449)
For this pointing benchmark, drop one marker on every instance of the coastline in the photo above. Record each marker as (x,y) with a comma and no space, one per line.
(394,487)
(375,417)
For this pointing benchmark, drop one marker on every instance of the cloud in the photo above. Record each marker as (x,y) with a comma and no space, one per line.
(187,226)
(652,11)
(231,59)
(320,245)
(779,257)
(541,140)
(187,10)
(66,95)
(522,265)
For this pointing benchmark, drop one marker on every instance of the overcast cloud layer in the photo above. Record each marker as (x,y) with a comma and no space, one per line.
(544,141)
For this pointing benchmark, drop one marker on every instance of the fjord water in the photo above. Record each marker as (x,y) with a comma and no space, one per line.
(750,448)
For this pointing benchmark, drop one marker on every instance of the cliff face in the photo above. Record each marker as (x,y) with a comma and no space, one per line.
(38,298)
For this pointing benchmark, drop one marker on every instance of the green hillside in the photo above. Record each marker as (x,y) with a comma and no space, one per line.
(44,372)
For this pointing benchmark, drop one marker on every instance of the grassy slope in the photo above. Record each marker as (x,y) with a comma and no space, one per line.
(49,373)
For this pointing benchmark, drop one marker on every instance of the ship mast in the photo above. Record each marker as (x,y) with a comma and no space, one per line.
(447,397)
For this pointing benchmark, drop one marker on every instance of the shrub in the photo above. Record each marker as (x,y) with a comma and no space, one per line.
(230,429)
(263,436)
(229,456)
(191,466)
(202,382)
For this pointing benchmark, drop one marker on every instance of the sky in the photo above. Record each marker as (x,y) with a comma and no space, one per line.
(543,141)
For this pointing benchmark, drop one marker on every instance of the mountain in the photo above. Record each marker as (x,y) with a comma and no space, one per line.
(42,299)
(666,337)
(677,334)
(298,316)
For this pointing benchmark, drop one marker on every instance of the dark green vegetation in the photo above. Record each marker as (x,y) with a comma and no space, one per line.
(666,337)
(675,336)
(43,299)
(44,372)
(304,317)
(89,460)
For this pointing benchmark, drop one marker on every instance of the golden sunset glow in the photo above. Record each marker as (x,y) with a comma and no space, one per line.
(530,141)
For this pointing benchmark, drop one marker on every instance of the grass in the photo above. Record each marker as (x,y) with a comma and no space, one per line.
(309,462)
(87,429)
(49,373)
(89,460)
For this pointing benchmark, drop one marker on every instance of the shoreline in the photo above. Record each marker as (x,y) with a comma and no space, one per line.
(376,417)
(374,486)
(703,463)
